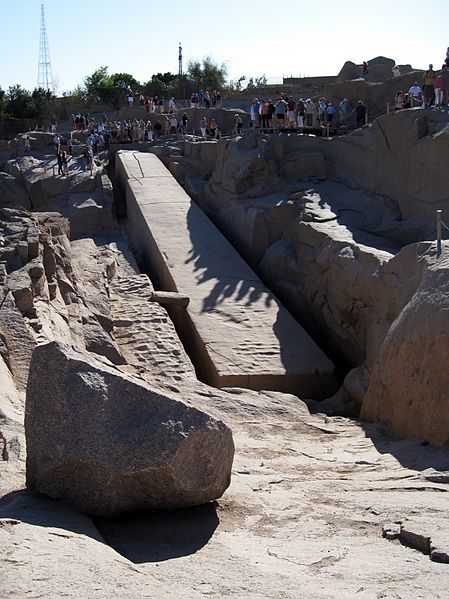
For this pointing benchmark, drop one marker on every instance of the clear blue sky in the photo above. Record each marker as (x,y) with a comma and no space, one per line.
(252,38)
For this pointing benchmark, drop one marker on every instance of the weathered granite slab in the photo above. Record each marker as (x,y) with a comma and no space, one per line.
(237,332)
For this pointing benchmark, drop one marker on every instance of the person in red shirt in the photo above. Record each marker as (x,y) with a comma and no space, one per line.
(291,105)
(439,86)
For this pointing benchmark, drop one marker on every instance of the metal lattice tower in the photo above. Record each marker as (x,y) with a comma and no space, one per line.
(44,75)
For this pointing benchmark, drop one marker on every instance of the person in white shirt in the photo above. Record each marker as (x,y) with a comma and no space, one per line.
(415,94)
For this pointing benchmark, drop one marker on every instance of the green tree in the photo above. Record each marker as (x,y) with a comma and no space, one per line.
(2,102)
(95,82)
(108,89)
(18,102)
(207,74)
(123,81)
(43,103)
(78,97)
(161,84)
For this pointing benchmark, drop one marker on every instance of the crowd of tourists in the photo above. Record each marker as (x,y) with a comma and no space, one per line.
(200,99)
(434,90)
(287,113)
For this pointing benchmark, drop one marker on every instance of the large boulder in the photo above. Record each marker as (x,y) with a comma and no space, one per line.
(409,384)
(13,193)
(109,443)
(348,71)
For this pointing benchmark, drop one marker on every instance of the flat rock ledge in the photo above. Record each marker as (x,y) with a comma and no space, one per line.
(109,443)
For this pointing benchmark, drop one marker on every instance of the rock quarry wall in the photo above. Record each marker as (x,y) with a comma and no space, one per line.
(337,228)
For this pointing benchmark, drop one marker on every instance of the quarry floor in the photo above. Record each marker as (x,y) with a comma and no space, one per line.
(303,517)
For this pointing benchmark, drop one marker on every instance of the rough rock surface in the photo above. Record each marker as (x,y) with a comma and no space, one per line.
(408,386)
(85,199)
(109,443)
(341,254)
(303,517)
(318,506)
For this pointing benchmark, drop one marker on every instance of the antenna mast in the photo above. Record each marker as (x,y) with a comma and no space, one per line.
(180,63)
(44,75)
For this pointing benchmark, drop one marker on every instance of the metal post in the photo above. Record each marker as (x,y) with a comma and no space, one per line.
(327,130)
(388,108)
(439,215)
(366,117)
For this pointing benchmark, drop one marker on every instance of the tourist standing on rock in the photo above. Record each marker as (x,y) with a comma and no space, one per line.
(270,112)
(173,124)
(428,89)
(89,157)
(161,105)
(364,71)
(166,122)
(59,159)
(330,111)
(360,113)
(446,61)
(238,124)
(254,112)
(219,99)
(157,128)
(64,159)
(27,145)
(203,127)
(300,114)
(57,143)
(344,109)
(147,105)
(264,114)
(130,98)
(291,105)
(310,112)
(194,101)
(407,102)
(439,91)
(445,76)
(322,111)
(415,94)
(207,100)
(184,121)
(281,109)
(107,138)
(399,101)
(142,129)
(89,141)
(95,141)
(396,71)
(149,131)
(213,127)
(171,105)
(136,131)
